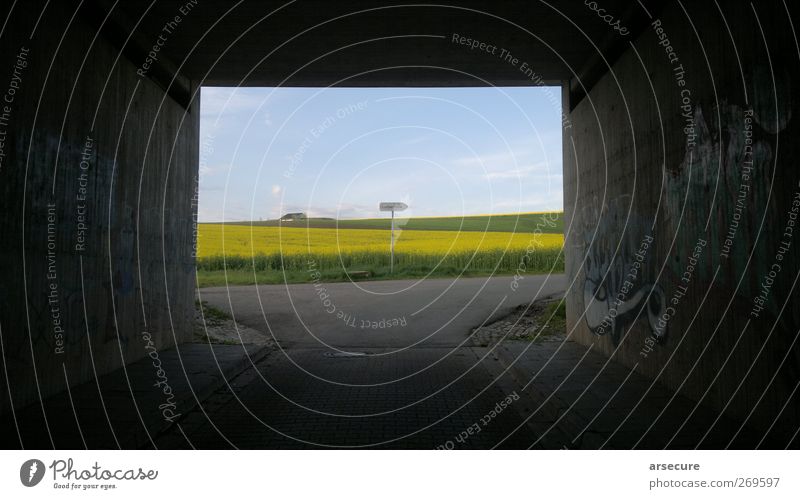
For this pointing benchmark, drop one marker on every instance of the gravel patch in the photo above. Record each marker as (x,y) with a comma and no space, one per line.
(217,327)
(538,323)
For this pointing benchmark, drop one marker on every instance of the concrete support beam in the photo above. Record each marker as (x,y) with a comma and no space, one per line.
(633,21)
(141,50)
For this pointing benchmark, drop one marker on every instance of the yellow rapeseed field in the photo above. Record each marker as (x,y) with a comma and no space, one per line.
(303,254)
(240,240)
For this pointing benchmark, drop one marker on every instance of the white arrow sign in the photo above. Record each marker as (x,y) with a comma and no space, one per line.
(393,206)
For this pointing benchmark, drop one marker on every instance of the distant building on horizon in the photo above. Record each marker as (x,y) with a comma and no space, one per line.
(291,217)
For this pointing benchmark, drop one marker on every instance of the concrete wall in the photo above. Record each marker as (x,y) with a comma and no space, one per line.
(658,235)
(92,151)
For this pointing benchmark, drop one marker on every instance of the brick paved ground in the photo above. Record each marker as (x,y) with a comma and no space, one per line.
(566,397)
(290,408)
(426,397)
(578,399)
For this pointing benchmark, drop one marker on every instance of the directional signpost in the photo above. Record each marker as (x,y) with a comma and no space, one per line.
(392,207)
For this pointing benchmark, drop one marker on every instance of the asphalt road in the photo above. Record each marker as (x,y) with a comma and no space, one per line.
(391,315)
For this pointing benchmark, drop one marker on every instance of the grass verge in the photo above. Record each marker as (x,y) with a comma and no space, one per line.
(238,277)
(277,269)
(238,273)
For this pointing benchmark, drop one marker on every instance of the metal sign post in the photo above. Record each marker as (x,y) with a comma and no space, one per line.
(392,207)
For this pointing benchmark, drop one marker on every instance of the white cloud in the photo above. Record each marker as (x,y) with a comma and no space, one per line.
(503,159)
(276,190)
(341,211)
(216,102)
(538,169)
(207,170)
(418,140)
(552,200)
(214,211)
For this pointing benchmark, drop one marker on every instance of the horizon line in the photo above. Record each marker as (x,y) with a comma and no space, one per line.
(425,216)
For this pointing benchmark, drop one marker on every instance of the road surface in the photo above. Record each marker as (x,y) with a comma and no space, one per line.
(391,315)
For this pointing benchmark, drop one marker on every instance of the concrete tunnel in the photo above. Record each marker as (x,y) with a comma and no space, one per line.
(675,173)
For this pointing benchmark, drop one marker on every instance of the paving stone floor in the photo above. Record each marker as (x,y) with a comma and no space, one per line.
(463,398)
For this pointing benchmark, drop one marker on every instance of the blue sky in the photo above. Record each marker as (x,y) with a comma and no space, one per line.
(338,152)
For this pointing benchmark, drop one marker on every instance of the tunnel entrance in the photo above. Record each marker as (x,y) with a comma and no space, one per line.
(298,175)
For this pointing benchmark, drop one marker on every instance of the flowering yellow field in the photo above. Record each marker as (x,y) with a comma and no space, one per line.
(298,254)
(240,240)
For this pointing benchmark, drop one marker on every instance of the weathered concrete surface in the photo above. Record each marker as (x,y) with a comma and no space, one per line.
(661,148)
(129,407)
(386,43)
(95,152)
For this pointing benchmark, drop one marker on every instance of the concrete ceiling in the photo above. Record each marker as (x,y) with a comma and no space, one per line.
(359,43)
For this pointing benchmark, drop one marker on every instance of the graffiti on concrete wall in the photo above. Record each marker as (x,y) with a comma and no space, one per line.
(616,290)
(721,188)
